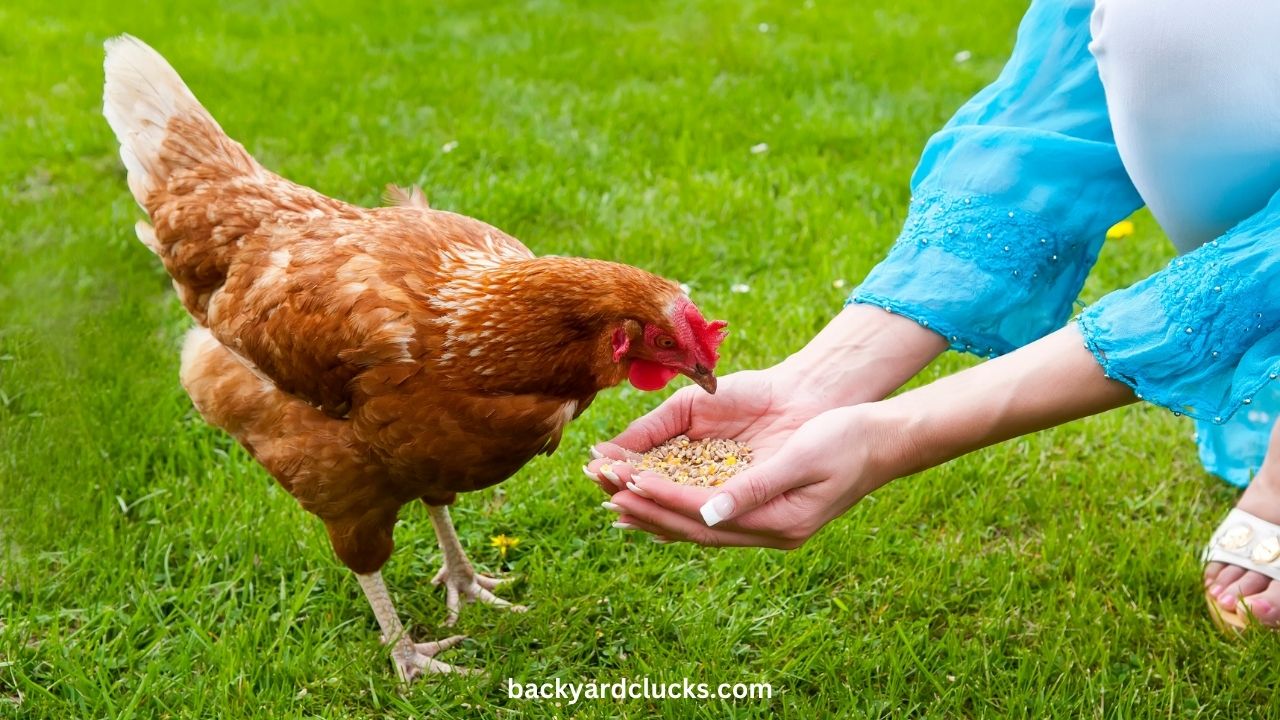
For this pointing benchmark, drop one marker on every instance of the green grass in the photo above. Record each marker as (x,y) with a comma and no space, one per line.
(150,569)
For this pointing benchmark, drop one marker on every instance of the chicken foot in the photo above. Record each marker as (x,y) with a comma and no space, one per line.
(461,581)
(411,659)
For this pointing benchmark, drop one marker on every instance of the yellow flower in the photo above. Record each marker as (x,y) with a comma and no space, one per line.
(1122,229)
(504,543)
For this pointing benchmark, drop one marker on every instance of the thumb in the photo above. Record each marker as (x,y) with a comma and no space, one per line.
(750,489)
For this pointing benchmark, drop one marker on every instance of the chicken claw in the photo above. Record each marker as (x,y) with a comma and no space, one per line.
(415,659)
(466,585)
(462,584)
(411,659)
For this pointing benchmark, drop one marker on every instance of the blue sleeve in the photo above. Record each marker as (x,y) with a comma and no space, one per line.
(1202,336)
(1012,198)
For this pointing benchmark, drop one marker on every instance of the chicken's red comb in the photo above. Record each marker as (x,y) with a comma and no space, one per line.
(708,334)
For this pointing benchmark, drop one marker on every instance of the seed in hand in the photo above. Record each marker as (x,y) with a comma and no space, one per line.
(706,463)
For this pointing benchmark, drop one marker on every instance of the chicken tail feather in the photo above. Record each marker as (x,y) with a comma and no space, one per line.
(156,118)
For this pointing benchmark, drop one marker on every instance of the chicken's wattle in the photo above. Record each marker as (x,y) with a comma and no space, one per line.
(647,375)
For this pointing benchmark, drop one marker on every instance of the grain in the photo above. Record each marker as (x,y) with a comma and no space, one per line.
(707,462)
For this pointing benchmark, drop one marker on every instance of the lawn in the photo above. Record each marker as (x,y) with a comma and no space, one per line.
(148,568)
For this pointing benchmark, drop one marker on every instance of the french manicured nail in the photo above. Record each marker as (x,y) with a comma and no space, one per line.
(612,507)
(716,509)
(638,490)
(624,526)
(587,471)
(607,471)
(660,540)
(595,454)
(1214,590)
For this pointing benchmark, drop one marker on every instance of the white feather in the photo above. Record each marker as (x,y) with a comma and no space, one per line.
(142,93)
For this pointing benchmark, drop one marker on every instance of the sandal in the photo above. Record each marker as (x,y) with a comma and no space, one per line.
(1249,542)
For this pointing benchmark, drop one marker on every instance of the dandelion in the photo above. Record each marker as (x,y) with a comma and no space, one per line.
(962,57)
(504,543)
(740,288)
(838,283)
(763,27)
(1122,229)
(759,148)
(449,147)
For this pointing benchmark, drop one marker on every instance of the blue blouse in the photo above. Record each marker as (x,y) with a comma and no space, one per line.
(1011,203)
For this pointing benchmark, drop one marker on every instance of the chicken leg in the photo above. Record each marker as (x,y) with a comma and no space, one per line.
(411,659)
(461,581)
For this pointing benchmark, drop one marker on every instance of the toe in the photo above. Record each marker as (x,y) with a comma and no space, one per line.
(1249,583)
(1265,605)
(1225,577)
(431,649)
(1211,573)
(489,583)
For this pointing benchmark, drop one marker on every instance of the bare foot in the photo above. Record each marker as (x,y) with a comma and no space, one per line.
(1234,588)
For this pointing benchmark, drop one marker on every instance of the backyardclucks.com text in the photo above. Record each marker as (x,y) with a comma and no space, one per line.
(642,689)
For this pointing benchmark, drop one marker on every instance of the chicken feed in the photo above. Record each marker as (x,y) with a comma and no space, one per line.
(705,463)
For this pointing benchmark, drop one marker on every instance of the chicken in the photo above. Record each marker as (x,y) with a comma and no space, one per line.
(368,358)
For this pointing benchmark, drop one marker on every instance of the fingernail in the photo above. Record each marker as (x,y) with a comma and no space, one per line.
(607,471)
(1214,590)
(660,540)
(716,509)
(587,471)
(638,490)
(595,454)
(624,526)
(613,507)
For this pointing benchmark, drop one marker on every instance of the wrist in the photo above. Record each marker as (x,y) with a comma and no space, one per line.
(862,355)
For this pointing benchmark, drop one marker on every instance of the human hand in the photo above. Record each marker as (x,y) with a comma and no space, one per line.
(815,474)
(758,407)
(861,356)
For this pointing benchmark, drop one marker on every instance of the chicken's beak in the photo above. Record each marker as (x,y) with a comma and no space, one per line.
(705,378)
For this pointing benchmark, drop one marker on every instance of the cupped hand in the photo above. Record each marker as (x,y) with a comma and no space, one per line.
(758,407)
(801,477)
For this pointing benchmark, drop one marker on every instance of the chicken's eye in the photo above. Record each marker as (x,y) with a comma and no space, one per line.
(666,342)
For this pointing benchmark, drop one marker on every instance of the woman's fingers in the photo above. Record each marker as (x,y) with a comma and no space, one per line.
(601,482)
(640,514)
(774,518)
(613,472)
(613,451)
(752,488)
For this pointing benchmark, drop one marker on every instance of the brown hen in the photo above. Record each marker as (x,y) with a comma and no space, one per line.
(372,357)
